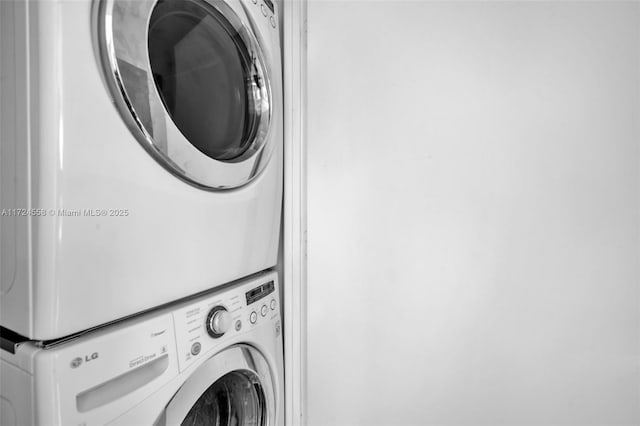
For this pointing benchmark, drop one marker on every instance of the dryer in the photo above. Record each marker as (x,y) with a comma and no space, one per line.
(216,359)
(141,155)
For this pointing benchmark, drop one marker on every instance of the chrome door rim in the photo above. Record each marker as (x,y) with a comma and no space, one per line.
(122,29)
(237,358)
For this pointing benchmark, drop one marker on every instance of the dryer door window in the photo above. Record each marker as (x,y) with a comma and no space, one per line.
(192,83)
(205,77)
(235,399)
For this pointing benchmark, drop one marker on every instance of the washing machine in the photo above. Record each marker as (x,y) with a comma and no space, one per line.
(212,360)
(141,155)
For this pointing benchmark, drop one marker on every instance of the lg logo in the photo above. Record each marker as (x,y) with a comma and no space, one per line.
(77,362)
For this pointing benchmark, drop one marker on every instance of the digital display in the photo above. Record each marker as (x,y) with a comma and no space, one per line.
(269,4)
(260,292)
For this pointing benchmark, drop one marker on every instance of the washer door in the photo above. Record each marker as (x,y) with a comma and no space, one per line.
(190,80)
(234,387)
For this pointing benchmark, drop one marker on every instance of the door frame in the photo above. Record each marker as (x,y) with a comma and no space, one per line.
(294,209)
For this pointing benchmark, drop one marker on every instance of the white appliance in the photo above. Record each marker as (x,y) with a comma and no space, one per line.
(141,155)
(216,357)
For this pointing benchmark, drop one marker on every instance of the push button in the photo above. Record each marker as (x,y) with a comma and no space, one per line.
(273,21)
(263,310)
(238,325)
(253,317)
(264,10)
(195,348)
(273,304)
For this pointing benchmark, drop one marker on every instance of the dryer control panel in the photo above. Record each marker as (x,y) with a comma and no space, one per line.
(217,320)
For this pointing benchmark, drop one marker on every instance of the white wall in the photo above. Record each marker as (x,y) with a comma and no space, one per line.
(473,201)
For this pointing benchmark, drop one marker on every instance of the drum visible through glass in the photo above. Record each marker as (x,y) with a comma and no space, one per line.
(236,399)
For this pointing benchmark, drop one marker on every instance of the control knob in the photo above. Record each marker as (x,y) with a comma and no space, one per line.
(218,321)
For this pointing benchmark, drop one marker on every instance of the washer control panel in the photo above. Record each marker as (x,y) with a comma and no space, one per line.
(215,319)
(268,9)
(261,301)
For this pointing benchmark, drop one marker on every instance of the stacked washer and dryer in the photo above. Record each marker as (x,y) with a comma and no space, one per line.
(141,191)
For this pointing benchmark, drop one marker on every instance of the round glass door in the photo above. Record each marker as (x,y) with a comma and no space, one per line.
(191,81)
(232,388)
(236,399)
(205,77)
